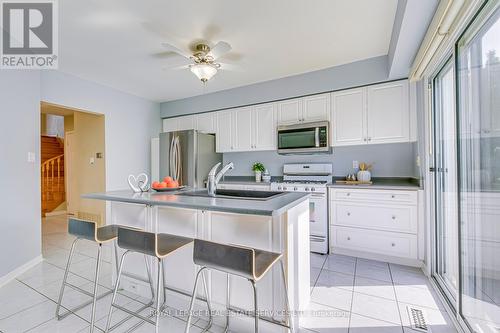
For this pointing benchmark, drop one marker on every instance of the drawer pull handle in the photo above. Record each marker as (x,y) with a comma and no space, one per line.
(348,194)
(393,244)
(348,238)
(348,214)
(393,196)
(393,217)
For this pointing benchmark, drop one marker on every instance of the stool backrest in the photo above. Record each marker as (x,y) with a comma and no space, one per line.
(227,258)
(137,240)
(82,229)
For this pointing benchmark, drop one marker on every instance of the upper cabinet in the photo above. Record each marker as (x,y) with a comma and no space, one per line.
(247,129)
(371,115)
(306,109)
(388,113)
(349,117)
(206,122)
(170,124)
(178,123)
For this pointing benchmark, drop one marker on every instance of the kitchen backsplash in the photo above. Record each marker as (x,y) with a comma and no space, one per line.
(389,160)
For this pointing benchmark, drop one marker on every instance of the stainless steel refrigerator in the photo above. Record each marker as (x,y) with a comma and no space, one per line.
(187,156)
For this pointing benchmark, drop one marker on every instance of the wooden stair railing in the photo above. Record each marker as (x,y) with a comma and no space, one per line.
(53,187)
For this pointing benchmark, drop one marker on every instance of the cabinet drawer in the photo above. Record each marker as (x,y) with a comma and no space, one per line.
(375,216)
(407,197)
(381,242)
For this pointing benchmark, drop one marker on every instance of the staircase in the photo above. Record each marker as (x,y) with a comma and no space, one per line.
(52,173)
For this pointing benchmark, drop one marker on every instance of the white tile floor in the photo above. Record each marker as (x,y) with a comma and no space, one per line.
(348,294)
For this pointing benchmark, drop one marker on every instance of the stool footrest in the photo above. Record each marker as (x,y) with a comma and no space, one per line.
(84,304)
(133,313)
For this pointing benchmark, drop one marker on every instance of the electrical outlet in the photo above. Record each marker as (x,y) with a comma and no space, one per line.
(355,164)
(31,157)
(418,161)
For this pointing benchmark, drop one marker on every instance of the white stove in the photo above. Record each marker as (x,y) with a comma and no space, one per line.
(310,178)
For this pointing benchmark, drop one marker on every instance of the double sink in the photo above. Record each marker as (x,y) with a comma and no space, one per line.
(234,194)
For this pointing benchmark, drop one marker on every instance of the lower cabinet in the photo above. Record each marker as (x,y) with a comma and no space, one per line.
(383,224)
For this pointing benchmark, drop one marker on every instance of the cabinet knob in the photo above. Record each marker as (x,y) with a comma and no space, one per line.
(369,139)
(393,217)
(393,196)
(393,244)
(348,238)
(348,194)
(348,214)
(364,139)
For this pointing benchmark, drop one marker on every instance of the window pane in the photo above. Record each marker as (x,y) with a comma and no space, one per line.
(479,148)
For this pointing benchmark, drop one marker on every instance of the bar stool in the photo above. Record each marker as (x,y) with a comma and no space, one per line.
(88,230)
(155,245)
(245,262)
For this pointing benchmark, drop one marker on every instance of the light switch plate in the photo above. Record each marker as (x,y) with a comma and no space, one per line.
(31,157)
(92,161)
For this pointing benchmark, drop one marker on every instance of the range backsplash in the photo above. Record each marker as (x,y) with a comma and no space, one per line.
(389,160)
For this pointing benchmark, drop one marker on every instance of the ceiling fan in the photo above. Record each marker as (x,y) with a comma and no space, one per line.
(203,59)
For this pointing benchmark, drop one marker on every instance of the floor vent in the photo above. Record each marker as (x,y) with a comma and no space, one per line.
(417,319)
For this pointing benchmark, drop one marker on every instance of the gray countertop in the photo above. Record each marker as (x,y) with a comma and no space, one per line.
(272,207)
(384,183)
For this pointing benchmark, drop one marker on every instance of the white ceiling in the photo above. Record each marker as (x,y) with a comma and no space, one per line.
(118,42)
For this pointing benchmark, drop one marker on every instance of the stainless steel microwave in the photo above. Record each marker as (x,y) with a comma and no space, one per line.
(304,138)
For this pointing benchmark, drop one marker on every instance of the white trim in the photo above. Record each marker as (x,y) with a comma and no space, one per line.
(20,270)
(56,213)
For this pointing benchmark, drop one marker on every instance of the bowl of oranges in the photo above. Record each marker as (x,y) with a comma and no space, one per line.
(168,184)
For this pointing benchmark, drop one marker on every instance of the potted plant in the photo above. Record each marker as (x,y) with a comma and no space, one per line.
(258,168)
(364,174)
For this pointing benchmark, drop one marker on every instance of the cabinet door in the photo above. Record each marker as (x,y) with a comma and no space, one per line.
(186,123)
(349,117)
(242,137)
(290,111)
(316,108)
(264,127)
(224,142)
(206,122)
(170,124)
(388,113)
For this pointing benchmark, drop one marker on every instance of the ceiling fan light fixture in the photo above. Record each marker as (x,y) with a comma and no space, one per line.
(204,71)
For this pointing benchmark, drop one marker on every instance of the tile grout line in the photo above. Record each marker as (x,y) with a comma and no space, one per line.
(396,298)
(352,295)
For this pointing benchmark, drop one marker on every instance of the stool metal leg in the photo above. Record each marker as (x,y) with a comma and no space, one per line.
(61,293)
(193,298)
(255,306)
(158,291)
(228,301)
(96,284)
(287,302)
(209,307)
(115,291)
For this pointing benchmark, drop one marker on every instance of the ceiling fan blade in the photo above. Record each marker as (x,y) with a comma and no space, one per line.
(220,49)
(177,50)
(230,67)
(177,68)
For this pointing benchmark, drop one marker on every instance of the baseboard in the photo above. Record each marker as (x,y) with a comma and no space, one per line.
(380,257)
(56,213)
(20,270)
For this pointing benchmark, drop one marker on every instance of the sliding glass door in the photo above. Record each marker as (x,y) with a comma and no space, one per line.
(445,182)
(478,116)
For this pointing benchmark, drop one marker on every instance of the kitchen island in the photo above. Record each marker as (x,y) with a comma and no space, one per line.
(278,224)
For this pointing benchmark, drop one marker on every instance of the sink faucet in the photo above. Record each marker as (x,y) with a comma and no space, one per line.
(214,179)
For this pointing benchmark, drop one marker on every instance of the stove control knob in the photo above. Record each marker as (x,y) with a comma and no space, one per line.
(313,189)
(284,188)
(280,188)
(295,188)
(307,189)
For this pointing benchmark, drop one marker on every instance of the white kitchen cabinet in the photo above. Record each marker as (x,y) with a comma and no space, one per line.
(185,123)
(316,108)
(242,139)
(264,127)
(170,124)
(206,122)
(290,111)
(388,113)
(225,131)
(306,109)
(371,115)
(379,224)
(349,117)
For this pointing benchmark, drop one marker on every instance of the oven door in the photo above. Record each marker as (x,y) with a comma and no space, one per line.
(303,138)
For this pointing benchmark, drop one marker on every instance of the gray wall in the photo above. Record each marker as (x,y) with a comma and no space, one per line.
(355,74)
(130,122)
(389,160)
(19,179)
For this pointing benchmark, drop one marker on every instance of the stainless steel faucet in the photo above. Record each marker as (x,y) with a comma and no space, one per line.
(214,179)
